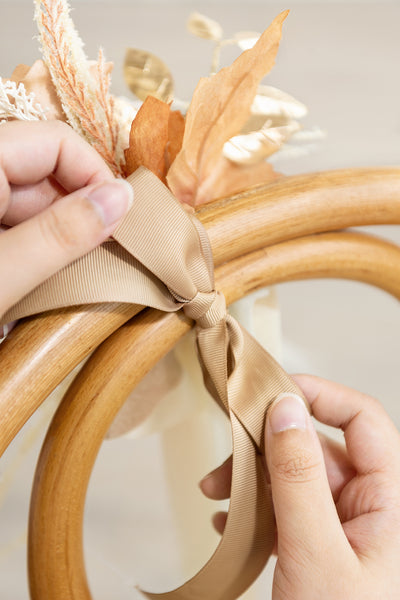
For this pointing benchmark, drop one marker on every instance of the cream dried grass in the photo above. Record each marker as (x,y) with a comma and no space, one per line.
(83,90)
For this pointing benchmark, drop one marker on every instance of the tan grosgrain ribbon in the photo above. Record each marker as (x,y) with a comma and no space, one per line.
(161,257)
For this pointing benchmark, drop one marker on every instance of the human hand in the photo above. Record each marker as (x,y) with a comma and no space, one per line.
(337,508)
(58,200)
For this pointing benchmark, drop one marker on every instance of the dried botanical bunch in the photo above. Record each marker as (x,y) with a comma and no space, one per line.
(232,125)
(218,147)
(220,107)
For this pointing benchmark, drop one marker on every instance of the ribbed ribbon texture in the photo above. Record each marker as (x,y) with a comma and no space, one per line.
(161,257)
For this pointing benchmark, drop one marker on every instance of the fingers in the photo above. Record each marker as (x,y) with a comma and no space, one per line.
(217,484)
(25,201)
(68,229)
(219,521)
(338,467)
(372,440)
(31,151)
(305,512)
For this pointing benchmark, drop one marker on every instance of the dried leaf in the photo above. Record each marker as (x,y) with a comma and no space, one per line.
(219,109)
(204,27)
(176,129)
(246,39)
(146,74)
(37,79)
(148,138)
(229,178)
(256,146)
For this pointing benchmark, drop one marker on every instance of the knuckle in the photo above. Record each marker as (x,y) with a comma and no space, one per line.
(300,466)
(4,194)
(59,126)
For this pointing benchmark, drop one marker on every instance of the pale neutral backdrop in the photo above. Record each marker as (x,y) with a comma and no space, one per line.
(340,59)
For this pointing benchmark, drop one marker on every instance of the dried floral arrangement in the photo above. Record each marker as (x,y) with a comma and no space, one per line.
(217,148)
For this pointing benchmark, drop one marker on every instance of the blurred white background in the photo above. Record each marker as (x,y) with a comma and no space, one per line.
(339,58)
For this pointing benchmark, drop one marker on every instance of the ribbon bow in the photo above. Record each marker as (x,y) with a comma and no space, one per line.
(161,257)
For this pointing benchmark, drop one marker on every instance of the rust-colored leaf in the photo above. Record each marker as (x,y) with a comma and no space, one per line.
(148,138)
(176,129)
(219,108)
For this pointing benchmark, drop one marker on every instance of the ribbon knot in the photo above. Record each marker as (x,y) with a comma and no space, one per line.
(206,308)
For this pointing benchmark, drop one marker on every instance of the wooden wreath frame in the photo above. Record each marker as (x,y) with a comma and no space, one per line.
(283,231)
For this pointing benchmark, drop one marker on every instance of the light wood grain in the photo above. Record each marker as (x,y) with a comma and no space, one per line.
(56,563)
(40,353)
(300,205)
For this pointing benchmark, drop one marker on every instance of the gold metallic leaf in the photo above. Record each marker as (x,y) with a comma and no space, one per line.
(256,146)
(145,74)
(204,27)
(246,39)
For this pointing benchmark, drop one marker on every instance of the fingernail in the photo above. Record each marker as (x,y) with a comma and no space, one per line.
(112,200)
(287,412)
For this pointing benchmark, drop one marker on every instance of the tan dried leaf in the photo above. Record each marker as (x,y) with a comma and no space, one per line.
(146,74)
(148,138)
(219,108)
(204,27)
(229,178)
(140,404)
(37,79)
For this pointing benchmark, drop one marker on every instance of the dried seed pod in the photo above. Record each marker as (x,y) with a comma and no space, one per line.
(272,102)
(256,146)
(204,27)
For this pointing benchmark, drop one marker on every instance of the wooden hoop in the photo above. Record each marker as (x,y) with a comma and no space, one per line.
(56,563)
(259,237)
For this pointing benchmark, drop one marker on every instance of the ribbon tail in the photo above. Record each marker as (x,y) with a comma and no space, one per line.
(249,534)
(245,380)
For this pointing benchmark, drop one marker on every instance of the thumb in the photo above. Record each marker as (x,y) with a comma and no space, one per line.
(69,228)
(306,516)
